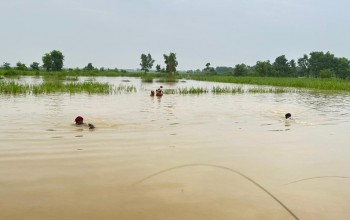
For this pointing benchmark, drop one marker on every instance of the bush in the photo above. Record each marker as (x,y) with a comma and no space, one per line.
(326,73)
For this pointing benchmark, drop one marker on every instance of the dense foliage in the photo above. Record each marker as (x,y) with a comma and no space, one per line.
(171,63)
(146,62)
(313,65)
(53,61)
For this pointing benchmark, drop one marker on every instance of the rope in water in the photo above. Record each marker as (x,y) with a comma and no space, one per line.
(224,168)
(317,177)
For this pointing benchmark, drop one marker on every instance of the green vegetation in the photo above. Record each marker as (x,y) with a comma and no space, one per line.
(310,83)
(89,67)
(34,66)
(310,66)
(125,89)
(13,88)
(317,70)
(60,87)
(147,79)
(171,63)
(146,62)
(208,69)
(191,90)
(221,90)
(170,79)
(53,61)
(230,90)
(74,72)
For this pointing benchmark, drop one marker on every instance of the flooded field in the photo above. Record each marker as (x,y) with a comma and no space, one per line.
(176,157)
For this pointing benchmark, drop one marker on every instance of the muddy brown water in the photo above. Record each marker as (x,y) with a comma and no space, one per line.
(174,157)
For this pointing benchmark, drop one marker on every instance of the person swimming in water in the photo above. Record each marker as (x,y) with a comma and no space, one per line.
(80,121)
(288,116)
(159,91)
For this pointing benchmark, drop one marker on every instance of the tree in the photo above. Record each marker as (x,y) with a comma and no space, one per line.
(158,69)
(342,68)
(223,69)
(89,67)
(53,61)
(326,73)
(281,66)
(34,66)
(263,68)
(319,61)
(303,66)
(146,62)
(21,66)
(240,70)
(292,68)
(208,69)
(171,63)
(6,66)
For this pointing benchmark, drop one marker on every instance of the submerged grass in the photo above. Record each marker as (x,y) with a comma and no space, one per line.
(124,88)
(309,83)
(191,90)
(13,88)
(231,90)
(49,87)
(221,90)
(147,79)
(273,90)
(71,88)
(171,79)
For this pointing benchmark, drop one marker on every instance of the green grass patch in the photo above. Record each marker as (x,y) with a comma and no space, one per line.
(231,90)
(125,89)
(191,90)
(171,79)
(221,90)
(49,87)
(13,88)
(307,83)
(147,78)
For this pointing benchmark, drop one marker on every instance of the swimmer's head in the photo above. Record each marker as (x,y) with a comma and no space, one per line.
(79,120)
(288,115)
(91,126)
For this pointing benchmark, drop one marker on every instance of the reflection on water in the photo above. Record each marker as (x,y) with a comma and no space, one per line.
(51,169)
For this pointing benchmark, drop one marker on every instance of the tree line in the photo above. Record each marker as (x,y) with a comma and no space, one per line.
(52,61)
(315,64)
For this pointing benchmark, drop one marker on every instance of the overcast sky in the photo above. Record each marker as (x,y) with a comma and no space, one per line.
(114,33)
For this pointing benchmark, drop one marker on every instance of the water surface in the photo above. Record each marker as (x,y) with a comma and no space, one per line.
(174,157)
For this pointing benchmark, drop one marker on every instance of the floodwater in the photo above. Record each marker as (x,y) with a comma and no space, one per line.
(176,157)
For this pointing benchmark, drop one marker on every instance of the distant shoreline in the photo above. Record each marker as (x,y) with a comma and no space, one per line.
(327,84)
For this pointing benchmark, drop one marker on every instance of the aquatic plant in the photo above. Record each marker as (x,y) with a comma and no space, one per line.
(125,88)
(147,79)
(57,86)
(169,79)
(170,91)
(219,90)
(13,88)
(71,78)
(48,87)
(311,83)
(192,90)
(231,90)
